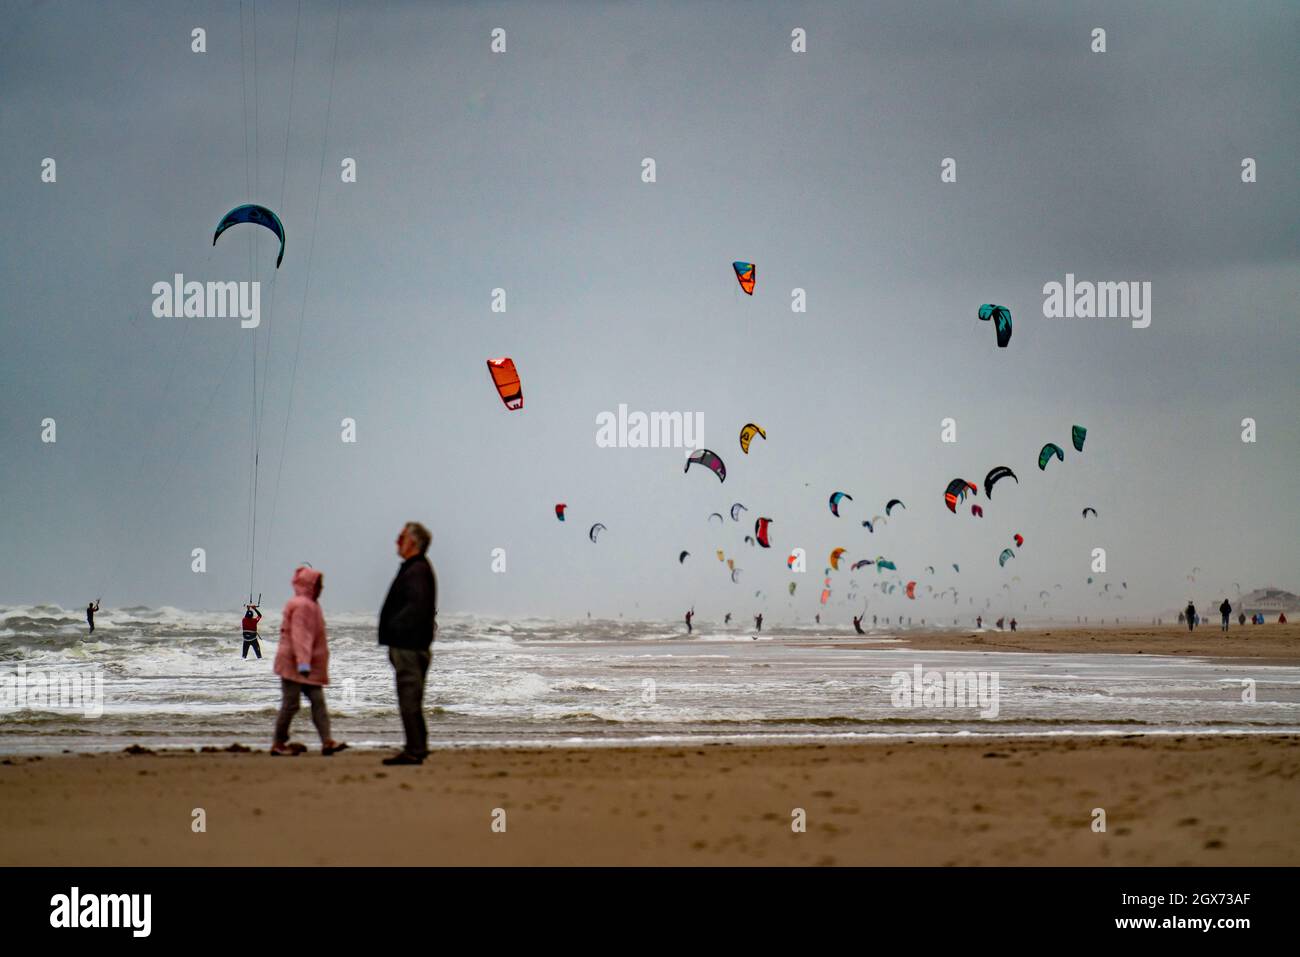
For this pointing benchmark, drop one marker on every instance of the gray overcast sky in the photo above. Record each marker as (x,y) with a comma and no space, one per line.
(522,170)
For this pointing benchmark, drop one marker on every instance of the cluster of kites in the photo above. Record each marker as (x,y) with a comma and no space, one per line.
(505,378)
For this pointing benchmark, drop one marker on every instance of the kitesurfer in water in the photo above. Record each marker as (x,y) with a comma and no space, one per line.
(758,622)
(727,620)
(857,623)
(689,615)
(252,615)
(90,614)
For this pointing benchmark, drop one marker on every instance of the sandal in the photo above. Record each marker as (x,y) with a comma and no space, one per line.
(334,747)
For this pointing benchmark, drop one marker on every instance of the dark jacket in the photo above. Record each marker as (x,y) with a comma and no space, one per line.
(1225,609)
(408,618)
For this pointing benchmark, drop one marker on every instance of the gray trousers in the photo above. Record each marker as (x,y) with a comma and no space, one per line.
(411,666)
(290,692)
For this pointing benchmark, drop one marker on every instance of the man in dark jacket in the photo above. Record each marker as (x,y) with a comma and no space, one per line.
(406,626)
(1225,610)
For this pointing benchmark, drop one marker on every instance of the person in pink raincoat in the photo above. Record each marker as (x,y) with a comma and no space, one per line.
(302,662)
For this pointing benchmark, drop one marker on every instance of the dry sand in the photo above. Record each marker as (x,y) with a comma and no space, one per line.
(1271,642)
(1199,800)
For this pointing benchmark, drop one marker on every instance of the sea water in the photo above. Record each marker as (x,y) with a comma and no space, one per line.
(173,678)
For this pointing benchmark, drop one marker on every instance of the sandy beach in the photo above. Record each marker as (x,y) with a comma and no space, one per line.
(1270,642)
(1169,800)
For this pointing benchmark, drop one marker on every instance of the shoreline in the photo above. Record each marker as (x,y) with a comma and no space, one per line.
(1176,800)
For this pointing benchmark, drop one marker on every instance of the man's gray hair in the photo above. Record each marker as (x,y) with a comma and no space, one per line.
(421,535)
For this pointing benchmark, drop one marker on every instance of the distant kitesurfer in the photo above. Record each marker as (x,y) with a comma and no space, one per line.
(1013,624)
(689,615)
(727,620)
(90,614)
(857,623)
(979,621)
(1190,612)
(818,618)
(758,622)
(252,615)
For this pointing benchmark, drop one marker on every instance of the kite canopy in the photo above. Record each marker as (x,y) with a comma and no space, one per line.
(1089,509)
(760,531)
(911,590)
(1020,539)
(861,564)
(1045,456)
(892,502)
(258,215)
(956,493)
(682,557)
(746,277)
(792,587)
(836,498)
(559,510)
(995,475)
(1077,434)
(869,527)
(718,516)
(506,379)
(595,530)
(735,510)
(747,435)
(1006,553)
(883,563)
(709,460)
(835,558)
(977,511)
(1001,317)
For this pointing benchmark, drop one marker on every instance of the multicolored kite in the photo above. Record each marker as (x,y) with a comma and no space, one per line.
(745,276)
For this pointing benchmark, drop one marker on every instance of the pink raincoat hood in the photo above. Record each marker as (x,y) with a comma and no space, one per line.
(305,580)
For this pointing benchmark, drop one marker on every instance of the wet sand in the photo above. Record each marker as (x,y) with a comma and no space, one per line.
(1185,800)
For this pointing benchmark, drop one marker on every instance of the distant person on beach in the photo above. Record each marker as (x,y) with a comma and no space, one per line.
(1190,612)
(689,615)
(817,618)
(727,620)
(857,623)
(1225,610)
(758,622)
(91,608)
(1281,619)
(407,624)
(1241,619)
(999,623)
(979,621)
(252,615)
(302,662)
(873,621)
(1013,624)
